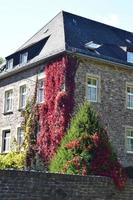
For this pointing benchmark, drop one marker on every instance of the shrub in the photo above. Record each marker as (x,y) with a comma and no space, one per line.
(86,149)
(12,160)
(85,121)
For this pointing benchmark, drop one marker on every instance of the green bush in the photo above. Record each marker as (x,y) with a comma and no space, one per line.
(12,160)
(85,122)
(86,149)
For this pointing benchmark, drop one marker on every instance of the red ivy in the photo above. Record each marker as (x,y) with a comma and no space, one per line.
(56,112)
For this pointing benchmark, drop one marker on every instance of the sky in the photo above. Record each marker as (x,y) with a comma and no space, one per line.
(20,19)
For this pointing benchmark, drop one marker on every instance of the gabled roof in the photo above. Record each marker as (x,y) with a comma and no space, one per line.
(69,32)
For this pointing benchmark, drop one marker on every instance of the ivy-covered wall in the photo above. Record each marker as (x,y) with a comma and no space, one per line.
(55,112)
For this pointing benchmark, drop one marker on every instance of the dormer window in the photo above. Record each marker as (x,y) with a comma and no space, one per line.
(130,57)
(23,58)
(9,63)
(92,45)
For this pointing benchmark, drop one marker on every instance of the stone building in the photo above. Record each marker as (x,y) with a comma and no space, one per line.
(104,76)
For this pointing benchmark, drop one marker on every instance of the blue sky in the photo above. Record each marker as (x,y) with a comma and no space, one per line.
(20,19)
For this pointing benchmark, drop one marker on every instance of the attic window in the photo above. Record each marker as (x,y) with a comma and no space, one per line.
(92,45)
(23,58)
(130,57)
(9,64)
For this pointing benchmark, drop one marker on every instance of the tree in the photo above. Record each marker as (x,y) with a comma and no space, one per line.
(1,60)
(86,149)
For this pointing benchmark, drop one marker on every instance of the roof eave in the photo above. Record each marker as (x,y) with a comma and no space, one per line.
(30,65)
(122,65)
(50,56)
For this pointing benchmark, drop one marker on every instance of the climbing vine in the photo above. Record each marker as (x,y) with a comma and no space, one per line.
(30,125)
(56,112)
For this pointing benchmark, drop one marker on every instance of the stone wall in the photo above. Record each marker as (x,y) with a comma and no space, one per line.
(19,185)
(111,106)
(13,120)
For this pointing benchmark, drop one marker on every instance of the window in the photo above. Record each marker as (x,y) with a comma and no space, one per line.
(130,97)
(10,64)
(23,58)
(129,140)
(20,136)
(40,95)
(92,89)
(8,101)
(6,141)
(22,97)
(92,45)
(130,57)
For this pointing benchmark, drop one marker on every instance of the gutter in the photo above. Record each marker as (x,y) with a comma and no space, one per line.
(48,57)
(121,65)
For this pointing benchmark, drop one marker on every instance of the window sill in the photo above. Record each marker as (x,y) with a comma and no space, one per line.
(8,113)
(128,108)
(130,152)
(23,64)
(4,152)
(40,102)
(92,101)
(21,109)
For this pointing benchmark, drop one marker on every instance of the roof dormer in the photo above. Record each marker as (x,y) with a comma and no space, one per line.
(92,45)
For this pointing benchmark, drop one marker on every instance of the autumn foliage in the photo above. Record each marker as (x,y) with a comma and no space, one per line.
(55,113)
(86,149)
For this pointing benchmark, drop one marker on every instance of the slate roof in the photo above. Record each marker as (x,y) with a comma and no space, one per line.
(53,35)
(114,41)
(69,32)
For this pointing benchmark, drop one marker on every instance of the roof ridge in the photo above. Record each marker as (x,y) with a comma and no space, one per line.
(114,27)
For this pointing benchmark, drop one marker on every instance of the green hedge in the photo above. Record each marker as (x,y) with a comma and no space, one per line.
(12,160)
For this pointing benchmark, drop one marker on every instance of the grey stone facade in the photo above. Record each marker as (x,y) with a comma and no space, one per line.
(13,120)
(111,106)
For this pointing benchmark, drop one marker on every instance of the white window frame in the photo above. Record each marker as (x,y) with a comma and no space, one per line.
(9,64)
(8,99)
(20,135)
(5,141)
(129,57)
(97,87)
(127,139)
(23,58)
(40,89)
(21,106)
(129,94)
